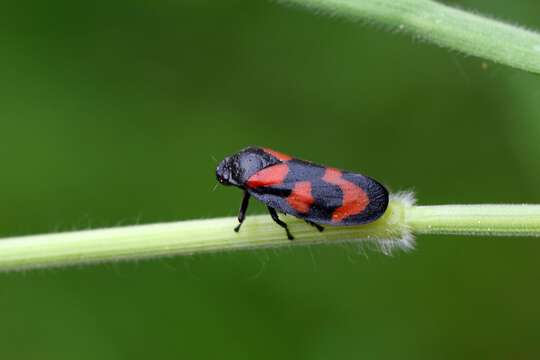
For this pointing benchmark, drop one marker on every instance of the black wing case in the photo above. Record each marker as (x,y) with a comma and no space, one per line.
(325,195)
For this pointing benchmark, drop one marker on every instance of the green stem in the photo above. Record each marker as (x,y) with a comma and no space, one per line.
(486,220)
(445,26)
(191,237)
(393,230)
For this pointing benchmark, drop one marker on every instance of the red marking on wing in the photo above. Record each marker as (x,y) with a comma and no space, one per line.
(355,199)
(269,176)
(278,155)
(301,198)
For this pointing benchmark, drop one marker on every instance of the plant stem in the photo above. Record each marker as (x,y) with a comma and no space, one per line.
(191,237)
(487,220)
(445,26)
(393,230)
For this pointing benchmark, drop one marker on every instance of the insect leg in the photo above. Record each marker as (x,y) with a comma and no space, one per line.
(243,209)
(275,217)
(319,227)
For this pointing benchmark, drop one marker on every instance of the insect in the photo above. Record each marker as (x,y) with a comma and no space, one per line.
(318,194)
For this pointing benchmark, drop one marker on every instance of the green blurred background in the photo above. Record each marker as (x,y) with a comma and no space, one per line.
(112,112)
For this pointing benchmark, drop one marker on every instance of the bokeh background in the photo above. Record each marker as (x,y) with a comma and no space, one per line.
(113,112)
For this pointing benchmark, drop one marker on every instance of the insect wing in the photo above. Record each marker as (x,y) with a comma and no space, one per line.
(319,194)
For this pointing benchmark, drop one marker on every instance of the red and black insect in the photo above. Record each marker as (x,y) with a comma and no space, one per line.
(318,194)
